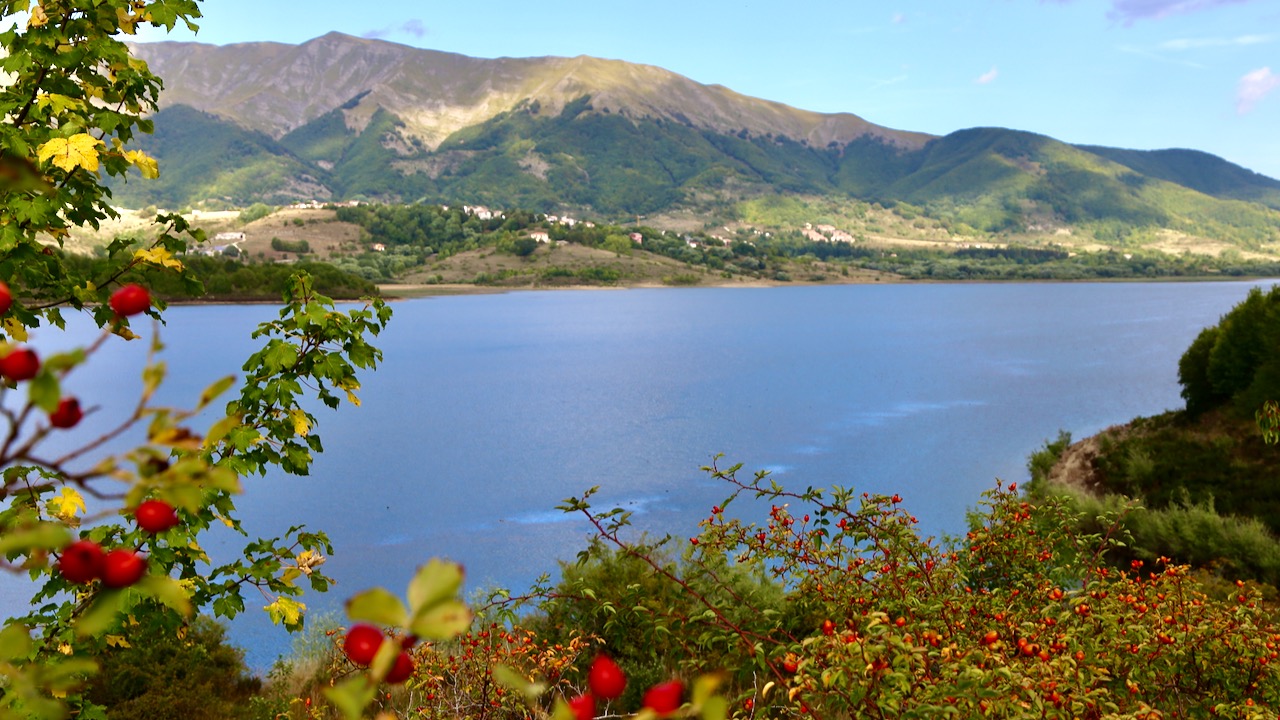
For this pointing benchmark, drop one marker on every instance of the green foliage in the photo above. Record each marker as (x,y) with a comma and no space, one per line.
(866,618)
(256,211)
(192,674)
(72,99)
(293,246)
(1234,363)
(615,595)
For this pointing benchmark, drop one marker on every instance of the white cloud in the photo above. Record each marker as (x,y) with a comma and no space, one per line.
(1197,43)
(988,76)
(1253,87)
(414,27)
(899,18)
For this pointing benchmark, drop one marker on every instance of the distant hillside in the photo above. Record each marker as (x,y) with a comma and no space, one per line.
(347,118)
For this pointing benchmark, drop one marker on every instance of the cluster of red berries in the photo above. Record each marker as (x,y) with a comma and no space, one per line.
(607,682)
(22,363)
(84,561)
(362,644)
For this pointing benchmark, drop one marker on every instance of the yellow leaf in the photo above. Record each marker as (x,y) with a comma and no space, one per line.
(158,256)
(63,505)
(145,163)
(65,649)
(117,641)
(77,151)
(351,386)
(301,426)
(289,575)
(197,551)
(38,17)
(127,21)
(309,559)
(15,330)
(286,610)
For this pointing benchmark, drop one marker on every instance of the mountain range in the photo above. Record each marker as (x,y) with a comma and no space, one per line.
(341,117)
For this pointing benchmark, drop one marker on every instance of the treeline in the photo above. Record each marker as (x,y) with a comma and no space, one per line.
(225,279)
(418,233)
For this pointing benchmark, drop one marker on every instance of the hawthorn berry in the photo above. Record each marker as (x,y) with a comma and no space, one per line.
(81,562)
(6,298)
(402,670)
(155,516)
(67,415)
(130,300)
(20,364)
(362,643)
(664,698)
(606,679)
(583,707)
(122,568)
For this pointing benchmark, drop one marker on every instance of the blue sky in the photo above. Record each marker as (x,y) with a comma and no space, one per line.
(1201,74)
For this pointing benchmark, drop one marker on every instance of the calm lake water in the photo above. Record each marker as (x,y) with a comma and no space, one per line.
(488,410)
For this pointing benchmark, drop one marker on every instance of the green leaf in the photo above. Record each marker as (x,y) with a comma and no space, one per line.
(214,391)
(44,392)
(102,613)
(378,605)
(45,536)
(513,680)
(353,696)
(286,611)
(704,688)
(715,708)
(442,621)
(167,591)
(434,582)
(15,642)
(152,376)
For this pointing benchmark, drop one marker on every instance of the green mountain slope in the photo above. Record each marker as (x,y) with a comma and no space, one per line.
(1197,170)
(204,157)
(345,118)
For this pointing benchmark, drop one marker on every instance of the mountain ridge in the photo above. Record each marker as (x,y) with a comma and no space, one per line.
(437,93)
(340,118)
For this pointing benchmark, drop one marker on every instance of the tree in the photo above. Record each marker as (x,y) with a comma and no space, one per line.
(72,101)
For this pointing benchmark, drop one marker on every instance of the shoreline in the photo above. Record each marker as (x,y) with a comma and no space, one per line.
(409,291)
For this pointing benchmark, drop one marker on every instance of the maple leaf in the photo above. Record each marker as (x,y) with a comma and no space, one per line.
(158,256)
(77,151)
(38,17)
(146,164)
(63,506)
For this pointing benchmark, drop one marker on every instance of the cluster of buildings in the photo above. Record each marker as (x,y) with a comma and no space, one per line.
(826,233)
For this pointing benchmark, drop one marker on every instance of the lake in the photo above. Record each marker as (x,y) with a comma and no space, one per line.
(488,410)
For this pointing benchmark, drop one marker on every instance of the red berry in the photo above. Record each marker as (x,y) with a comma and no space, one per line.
(81,562)
(583,707)
(130,300)
(362,644)
(122,568)
(664,699)
(606,678)
(67,415)
(402,670)
(828,627)
(6,298)
(155,516)
(20,364)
